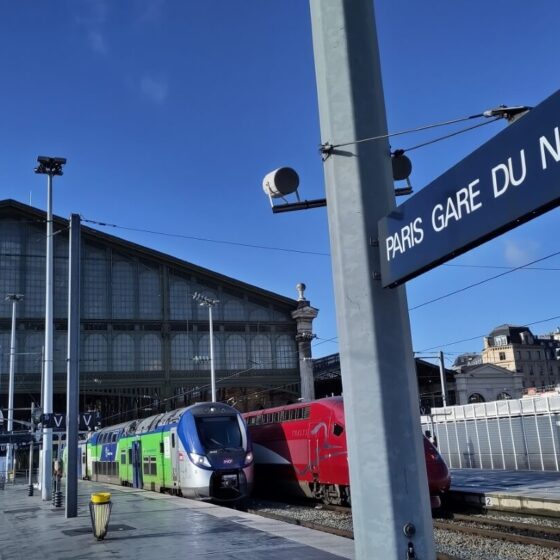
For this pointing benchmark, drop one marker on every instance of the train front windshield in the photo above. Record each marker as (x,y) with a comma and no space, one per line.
(217,432)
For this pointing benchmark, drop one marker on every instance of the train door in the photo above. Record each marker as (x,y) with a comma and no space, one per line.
(137,479)
(173,451)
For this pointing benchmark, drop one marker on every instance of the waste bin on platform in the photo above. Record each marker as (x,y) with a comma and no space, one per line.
(100,511)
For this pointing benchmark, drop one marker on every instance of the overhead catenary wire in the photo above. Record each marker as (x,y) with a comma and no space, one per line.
(205,239)
(486,280)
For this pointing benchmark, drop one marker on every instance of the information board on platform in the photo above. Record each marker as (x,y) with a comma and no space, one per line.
(509,180)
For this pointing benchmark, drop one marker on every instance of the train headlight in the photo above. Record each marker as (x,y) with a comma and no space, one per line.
(200,460)
(248,458)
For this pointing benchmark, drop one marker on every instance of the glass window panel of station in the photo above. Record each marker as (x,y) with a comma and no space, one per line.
(60,352)
(150,352)
(94,283)
(182,352)
(180,299)
(94,352)
(149,285)
(10,259)
(204,352)
(60,302)
(261,352)
(5,354)
(286,352)
(124,289)
(236,352)
(32,348)
(260,314)
(123,352)
(234,310)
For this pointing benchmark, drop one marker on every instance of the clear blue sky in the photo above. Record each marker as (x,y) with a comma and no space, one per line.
(170,113)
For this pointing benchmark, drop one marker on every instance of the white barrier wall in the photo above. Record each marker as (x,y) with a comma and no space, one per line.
(510,434)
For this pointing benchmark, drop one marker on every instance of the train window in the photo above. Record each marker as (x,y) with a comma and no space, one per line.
(306,412)
(123,458)
(130,455)
(113,437)
(146,465)
(161,447)
(337,430)
(172,440)
(153,467)
(276,417)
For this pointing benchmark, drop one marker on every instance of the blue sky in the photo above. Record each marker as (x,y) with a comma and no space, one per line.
(171,112)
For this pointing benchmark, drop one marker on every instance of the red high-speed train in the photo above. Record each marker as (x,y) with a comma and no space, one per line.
(301,449)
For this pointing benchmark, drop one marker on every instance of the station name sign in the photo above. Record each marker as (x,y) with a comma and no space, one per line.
(510,180)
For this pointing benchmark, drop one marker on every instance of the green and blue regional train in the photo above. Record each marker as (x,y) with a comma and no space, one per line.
(202,451)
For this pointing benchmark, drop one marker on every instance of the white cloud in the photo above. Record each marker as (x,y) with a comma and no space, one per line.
(518,253)
(155,89)
(97,42)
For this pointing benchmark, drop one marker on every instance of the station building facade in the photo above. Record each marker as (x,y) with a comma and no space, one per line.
(144,339)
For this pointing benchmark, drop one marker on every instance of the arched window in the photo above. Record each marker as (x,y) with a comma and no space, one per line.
(60,352)
(286,352)
(123,287)
(259,314)
(236,352)
(149,302)
(204,352)
(261,352)
(33,346)
(234,310)
(476,398)
(150,352)
(94,283)
(182,352)
(123,353)
(180,300)
(503,396)
(94,356)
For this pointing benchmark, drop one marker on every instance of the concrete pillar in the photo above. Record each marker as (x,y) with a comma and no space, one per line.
(304,315)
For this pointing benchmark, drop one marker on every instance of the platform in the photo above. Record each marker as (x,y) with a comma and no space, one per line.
(151,526)
(532,492)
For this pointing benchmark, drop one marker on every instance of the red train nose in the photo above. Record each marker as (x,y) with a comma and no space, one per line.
(439,478)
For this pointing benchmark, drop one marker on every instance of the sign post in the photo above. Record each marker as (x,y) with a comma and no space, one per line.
(508,181)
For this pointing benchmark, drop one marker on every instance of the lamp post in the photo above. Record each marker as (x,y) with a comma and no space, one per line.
(49,166)
(210,303)
(14,298)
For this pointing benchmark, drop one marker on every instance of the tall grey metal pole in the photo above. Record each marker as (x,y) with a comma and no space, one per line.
(32,430)
(212,369)
(14,298)
(73,369)
(442,379)
(48,363)
(390,500)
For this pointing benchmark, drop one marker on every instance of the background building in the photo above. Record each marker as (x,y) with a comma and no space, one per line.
(516,348)
(144,340)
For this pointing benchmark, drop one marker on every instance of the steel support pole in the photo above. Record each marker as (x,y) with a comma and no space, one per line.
(73,369)
(48,363)
(212,369)
(11,383)
(390,500)
(442,379)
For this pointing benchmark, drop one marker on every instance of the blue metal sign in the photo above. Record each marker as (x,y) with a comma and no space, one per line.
(510,180)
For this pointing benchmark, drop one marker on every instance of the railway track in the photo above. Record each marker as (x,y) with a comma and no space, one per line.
(462,538)
(505,530)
